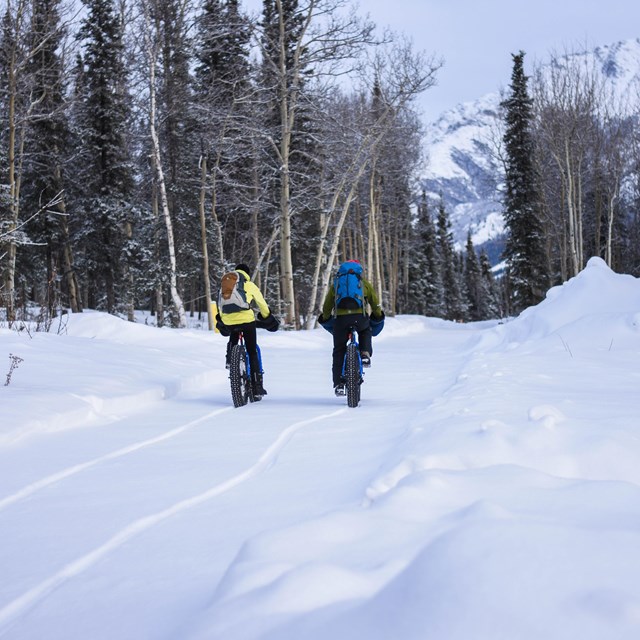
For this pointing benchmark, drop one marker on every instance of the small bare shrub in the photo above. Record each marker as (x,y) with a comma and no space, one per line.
(15,361)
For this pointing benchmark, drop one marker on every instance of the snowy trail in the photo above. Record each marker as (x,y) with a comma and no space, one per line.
(23,603)
(329,427)
(83,466)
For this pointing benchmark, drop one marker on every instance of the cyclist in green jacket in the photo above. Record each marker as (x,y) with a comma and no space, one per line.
(349,310)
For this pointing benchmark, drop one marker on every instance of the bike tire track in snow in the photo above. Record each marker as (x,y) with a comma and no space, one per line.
(70,471)
(20,605)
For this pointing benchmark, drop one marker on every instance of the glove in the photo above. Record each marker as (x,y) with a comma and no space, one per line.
(377,321)
(222,327)
(327,323)
(274,323)
(270,323)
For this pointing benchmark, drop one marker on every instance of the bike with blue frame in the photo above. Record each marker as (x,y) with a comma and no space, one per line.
(239,362)
(352,368)
(240,374)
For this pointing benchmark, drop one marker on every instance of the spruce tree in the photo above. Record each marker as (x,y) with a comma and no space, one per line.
(454,305)
(222,51)
(226,127)
(45,162)
(527,263)
(229,193)
(106,185)
(491,306)
(426,288)
(473,282)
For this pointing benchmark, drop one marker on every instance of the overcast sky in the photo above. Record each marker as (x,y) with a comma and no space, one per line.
(477,37)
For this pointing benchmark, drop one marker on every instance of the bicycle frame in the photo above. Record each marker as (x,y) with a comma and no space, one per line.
(246,354)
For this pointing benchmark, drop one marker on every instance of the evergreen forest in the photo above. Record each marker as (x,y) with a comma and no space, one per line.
(147,146)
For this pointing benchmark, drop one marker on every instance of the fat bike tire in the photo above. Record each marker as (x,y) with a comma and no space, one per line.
(241,390)
(352,375)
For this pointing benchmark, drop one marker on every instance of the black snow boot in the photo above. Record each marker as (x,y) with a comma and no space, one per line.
(258,389)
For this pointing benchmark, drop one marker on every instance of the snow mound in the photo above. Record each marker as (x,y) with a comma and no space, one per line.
(93,368)
(568,311)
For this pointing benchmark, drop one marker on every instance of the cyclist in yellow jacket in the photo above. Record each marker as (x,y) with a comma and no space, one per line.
(236,315)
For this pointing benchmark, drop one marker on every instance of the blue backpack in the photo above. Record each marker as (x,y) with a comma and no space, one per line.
(348,287)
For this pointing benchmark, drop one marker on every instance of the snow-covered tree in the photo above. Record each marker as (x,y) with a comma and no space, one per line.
(427,294)
(15,100)
(525,246)
(455,307)
(492,307)
(474,282)
(105,172)
(226,124)
(45,166)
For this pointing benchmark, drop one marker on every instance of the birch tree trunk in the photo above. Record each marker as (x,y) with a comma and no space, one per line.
(155,208)
(157,157)
(370,232)
(289,81)
(166,214)
(14,192)
(203,236)
(571,209)
(609,249)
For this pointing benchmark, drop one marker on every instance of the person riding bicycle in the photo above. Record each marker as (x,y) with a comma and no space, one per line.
(236,302)
(344,307)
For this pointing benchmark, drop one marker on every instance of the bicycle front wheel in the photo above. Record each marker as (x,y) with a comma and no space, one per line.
(239,376)
(353,379)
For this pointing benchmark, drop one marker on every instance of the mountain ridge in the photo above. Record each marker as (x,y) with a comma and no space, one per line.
(464,164)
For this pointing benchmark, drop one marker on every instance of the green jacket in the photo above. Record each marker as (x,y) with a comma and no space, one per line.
(370,298)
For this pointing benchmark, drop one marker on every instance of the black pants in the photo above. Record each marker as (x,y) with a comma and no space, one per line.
(340,336)
(248,329)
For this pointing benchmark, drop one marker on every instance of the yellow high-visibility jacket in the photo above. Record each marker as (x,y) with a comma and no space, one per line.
(254,297)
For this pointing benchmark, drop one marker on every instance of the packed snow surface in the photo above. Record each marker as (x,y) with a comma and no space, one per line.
(487,488)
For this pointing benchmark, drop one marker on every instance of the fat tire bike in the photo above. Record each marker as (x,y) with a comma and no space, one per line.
(240,374)
(352,371)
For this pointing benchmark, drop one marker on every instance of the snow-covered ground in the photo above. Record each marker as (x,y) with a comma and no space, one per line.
(487,488)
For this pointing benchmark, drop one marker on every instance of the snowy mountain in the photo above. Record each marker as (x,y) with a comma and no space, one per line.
(487,487)
(463,146)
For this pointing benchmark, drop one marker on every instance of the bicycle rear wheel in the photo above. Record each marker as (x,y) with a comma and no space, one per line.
(241,390)
(353,379)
